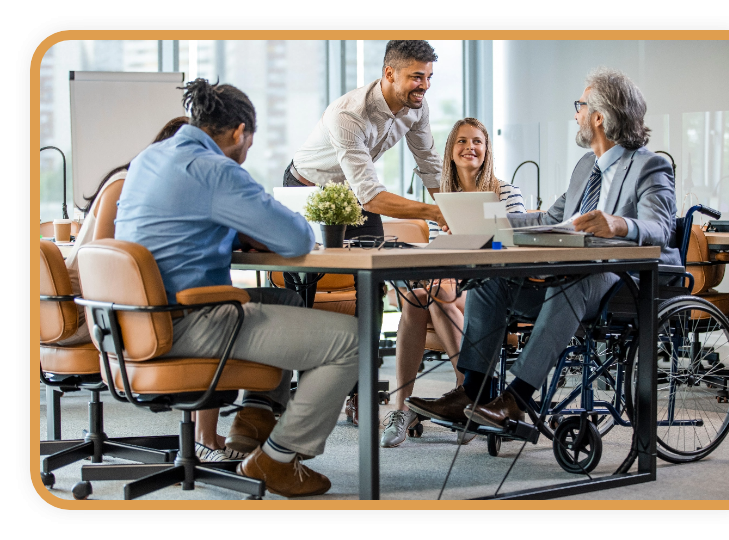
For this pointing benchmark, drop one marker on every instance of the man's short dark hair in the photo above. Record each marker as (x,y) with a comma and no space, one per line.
(400,52)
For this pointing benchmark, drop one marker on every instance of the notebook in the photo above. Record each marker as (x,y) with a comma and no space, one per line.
(476,213)
(294,198)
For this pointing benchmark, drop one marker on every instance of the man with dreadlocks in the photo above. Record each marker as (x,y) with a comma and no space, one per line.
(190,203)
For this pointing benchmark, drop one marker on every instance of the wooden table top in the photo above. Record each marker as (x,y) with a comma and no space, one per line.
(372,259)
(717,238)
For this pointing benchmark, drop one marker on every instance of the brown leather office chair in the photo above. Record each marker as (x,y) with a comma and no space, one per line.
(126,305)
(707,273)
(334,292)
(105,214)
(76,367)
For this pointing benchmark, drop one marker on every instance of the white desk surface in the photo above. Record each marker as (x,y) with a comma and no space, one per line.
(372,259)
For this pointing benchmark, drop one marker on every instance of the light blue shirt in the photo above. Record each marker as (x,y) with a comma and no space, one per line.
(184,200)
(608,166)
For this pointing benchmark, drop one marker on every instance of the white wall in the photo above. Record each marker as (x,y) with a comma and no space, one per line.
(686,87)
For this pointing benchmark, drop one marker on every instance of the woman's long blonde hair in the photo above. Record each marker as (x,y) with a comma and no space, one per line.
(485,179)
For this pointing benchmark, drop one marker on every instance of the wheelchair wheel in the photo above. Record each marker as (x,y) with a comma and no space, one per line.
(577,452)
(607,388)
(693,370)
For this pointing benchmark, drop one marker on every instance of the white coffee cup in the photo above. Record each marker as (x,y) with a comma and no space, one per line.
(62,230)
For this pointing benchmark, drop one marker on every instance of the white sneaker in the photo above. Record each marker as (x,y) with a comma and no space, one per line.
(221,454)
(398,425)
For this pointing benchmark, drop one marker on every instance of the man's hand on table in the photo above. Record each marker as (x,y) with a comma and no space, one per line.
(601,224)
(248,244)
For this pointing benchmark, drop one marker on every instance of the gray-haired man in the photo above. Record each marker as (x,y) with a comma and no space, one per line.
(621,189)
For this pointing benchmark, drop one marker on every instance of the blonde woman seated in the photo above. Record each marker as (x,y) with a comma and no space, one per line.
(467,166)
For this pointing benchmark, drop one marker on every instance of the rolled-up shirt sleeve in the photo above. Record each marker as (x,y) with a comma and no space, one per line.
(347,137)
(420,141)
(265,219)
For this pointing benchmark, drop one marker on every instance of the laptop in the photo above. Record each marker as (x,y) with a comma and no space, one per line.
(476,213)
(294,198)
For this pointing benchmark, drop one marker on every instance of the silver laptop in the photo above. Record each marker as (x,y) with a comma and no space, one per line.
(476,213)
(294,198)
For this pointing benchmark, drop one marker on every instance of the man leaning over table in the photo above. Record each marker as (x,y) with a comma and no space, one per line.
(188,201)
(358,128)
(621,189)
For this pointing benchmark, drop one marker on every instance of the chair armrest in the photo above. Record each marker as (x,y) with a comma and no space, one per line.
(671,269)
(216,293)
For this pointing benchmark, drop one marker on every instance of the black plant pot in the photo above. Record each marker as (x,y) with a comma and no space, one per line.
(333,235)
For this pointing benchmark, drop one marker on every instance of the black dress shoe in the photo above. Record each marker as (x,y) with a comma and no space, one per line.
(496,412)
(449,407)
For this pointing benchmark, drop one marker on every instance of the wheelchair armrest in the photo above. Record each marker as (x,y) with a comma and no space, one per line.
(671,269)
(216,293)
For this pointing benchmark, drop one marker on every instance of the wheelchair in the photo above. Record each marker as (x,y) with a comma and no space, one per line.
(591,390)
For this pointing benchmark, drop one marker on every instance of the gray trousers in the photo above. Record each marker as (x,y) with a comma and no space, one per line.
(557,320)
(322,346)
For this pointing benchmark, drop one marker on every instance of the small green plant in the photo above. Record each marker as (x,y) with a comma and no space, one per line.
(334,204)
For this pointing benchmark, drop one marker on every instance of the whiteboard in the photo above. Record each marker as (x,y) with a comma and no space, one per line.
(114,116)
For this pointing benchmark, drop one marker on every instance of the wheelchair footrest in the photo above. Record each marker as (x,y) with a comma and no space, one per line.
(513,431)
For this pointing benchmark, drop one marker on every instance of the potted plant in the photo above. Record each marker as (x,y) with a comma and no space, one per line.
(334,207)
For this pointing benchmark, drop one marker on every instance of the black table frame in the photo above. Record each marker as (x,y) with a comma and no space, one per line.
(368,298)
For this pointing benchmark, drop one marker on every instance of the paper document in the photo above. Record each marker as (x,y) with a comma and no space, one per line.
(566,227)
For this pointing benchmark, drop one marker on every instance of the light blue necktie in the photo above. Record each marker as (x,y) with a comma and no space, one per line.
(592,191)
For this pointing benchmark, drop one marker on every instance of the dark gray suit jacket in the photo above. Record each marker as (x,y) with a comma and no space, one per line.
(642,191)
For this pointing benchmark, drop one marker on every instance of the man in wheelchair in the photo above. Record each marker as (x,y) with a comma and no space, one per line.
(620,189)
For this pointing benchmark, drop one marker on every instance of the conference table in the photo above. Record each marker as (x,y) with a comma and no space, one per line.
(374,266)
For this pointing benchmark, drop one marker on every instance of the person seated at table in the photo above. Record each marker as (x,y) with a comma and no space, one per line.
(86,234)
(620,189)
(188,200)
(470,168)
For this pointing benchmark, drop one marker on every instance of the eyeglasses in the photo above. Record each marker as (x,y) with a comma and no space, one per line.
(372,242)
(579,104)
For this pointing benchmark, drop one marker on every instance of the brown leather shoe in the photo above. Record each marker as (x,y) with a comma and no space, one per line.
(448,407)
(251,427)
(496,412)
(286,479)
(350,408)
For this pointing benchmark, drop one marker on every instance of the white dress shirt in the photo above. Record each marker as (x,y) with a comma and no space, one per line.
(355,131)
(608,163)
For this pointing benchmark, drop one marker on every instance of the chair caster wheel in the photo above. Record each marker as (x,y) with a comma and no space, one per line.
(48,479)
(493,444)
(383,397)
(415,431)
(82,490)
(251,498)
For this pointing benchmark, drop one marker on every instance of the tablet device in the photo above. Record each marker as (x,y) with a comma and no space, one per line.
(476,213)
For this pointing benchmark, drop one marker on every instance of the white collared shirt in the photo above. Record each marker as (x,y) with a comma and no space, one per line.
(608,166)
(355,131)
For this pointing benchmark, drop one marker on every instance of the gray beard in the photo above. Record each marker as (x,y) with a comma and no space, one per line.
(584,136)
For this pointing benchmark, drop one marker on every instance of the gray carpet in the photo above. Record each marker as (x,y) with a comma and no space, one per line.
(416,469)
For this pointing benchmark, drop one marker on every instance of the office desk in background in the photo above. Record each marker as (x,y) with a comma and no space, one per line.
(718,241)
(375,266)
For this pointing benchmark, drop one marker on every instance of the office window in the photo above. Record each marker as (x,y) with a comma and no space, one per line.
(285,80)
(55,116)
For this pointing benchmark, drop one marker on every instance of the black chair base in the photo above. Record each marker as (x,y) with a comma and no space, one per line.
(186,470)
(96,445)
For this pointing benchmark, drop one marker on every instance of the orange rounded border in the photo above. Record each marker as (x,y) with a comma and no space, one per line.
(34,393)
